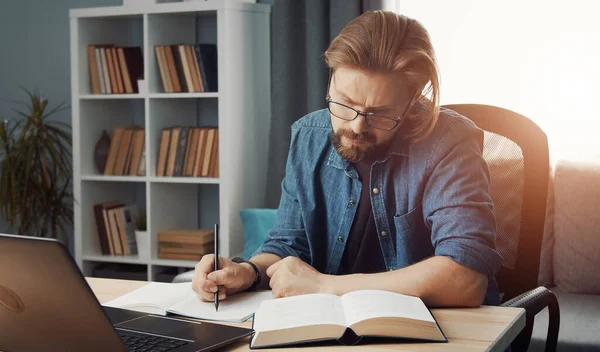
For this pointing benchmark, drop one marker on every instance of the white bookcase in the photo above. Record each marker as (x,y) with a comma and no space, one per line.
(241,109)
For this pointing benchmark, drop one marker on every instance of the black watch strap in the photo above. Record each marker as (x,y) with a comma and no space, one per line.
(256,271)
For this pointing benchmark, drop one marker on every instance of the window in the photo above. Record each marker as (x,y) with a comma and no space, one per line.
(538,58)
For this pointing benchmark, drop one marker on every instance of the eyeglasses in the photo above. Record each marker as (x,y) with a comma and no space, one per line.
(344,112)
(347,113)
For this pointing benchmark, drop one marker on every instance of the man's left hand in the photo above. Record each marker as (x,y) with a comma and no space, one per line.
(291,276)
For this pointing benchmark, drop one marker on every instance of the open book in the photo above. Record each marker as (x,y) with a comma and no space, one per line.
(347,318)
(164,299)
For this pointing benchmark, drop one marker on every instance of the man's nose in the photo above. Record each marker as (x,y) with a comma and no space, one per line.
(359,124)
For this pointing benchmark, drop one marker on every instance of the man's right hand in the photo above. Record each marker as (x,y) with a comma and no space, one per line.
(229,279)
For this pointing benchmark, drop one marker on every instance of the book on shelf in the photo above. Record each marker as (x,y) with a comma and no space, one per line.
(188,151)
(115,228)
(185,244)
(179,299)
(126,154)
(115,70)
(346,319)
(187,67)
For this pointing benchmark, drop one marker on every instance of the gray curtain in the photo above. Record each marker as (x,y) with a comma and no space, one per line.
(300,33)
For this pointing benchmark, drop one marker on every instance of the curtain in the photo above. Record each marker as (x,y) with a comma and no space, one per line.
(301,31)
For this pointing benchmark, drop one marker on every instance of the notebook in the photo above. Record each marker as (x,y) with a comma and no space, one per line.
(179,299)
(345,319)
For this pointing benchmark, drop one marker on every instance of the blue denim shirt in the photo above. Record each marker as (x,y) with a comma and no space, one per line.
(433,195)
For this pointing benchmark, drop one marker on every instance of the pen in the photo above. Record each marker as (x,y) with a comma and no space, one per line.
(216,263)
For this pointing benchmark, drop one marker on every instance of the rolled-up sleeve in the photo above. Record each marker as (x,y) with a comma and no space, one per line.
(457,204)
(288,237)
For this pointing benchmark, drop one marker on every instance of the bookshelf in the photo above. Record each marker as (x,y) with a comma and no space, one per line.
(240,109)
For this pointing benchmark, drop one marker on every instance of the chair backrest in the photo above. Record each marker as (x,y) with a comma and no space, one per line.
(516,151)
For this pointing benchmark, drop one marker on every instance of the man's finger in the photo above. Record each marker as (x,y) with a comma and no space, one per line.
(206,296)
(206,264)
(273,281)
(273,268)
(209,286)
(221,277)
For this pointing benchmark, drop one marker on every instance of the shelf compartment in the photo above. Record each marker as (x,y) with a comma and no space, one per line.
(93,193)
(120,31)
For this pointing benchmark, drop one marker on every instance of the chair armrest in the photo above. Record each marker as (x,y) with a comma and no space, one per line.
(534,301)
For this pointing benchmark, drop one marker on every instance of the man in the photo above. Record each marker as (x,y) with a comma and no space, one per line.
(382,189)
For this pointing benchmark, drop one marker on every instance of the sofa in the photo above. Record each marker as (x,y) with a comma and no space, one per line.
(570,258)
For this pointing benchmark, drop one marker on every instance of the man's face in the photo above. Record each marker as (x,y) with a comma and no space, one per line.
(382,94)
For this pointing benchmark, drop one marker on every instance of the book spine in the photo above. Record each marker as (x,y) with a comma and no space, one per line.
(181,149)
(101,229)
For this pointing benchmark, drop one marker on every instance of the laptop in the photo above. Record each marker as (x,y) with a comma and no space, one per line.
(47,305)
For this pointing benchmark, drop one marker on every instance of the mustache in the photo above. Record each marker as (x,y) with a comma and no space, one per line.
(355,136)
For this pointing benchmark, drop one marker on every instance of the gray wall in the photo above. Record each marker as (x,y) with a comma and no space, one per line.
(34,47)
(34,52)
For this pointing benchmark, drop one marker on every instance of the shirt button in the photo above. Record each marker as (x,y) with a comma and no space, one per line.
(351,203)
(340,239)
(384,233)
(375,190)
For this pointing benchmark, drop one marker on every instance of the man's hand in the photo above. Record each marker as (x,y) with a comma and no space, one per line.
(291,276)
(230,279)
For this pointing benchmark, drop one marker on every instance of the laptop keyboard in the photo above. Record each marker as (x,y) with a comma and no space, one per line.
(149,343)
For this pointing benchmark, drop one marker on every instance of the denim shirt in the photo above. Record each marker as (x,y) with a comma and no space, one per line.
(433,195)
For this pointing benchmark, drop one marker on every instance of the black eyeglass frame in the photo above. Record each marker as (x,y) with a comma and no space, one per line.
(395,119)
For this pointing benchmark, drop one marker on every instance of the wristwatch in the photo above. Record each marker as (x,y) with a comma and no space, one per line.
(256,271)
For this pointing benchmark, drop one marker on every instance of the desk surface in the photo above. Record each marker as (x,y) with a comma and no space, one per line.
(467,329)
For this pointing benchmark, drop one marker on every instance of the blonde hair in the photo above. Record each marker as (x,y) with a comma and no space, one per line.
(383,41)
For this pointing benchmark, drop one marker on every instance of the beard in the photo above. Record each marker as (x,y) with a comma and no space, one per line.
(351,153)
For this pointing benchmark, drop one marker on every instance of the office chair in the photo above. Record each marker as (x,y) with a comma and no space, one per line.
(516,151)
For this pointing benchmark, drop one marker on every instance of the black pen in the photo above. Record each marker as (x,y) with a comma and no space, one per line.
(217,264)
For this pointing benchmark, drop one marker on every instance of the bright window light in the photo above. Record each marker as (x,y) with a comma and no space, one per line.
(538,58)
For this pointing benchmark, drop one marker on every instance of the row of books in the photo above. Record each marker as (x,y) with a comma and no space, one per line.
(115,228)
(127,155)
(188,68)
(115,70)
(188,151)
(185,244)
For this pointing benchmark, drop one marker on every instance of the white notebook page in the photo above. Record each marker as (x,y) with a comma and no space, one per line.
(153,298)
(235,308)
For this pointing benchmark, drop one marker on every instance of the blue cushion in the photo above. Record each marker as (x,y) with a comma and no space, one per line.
(257,223)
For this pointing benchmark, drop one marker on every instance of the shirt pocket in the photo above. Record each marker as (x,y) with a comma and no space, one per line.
(413,241)
(409,221)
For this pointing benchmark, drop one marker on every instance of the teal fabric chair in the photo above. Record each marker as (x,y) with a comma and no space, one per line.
(257,223)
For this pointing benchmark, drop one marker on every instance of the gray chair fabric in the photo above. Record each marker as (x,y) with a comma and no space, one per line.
(579,324)
(184,277)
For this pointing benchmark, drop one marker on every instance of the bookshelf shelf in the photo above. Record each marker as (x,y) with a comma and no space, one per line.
(240,109)
(103,178)
(193,180)
(129,259)
(175,263)
(183,95)
(111,96)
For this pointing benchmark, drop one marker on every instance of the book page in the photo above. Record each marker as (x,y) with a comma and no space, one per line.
(368,304)
(303,310)
(154,298)
(235,308)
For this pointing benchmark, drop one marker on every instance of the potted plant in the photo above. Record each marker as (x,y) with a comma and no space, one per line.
(36,170)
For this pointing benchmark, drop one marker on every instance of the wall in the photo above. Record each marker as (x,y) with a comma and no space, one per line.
(34,42)
(537,57)
(34,37)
